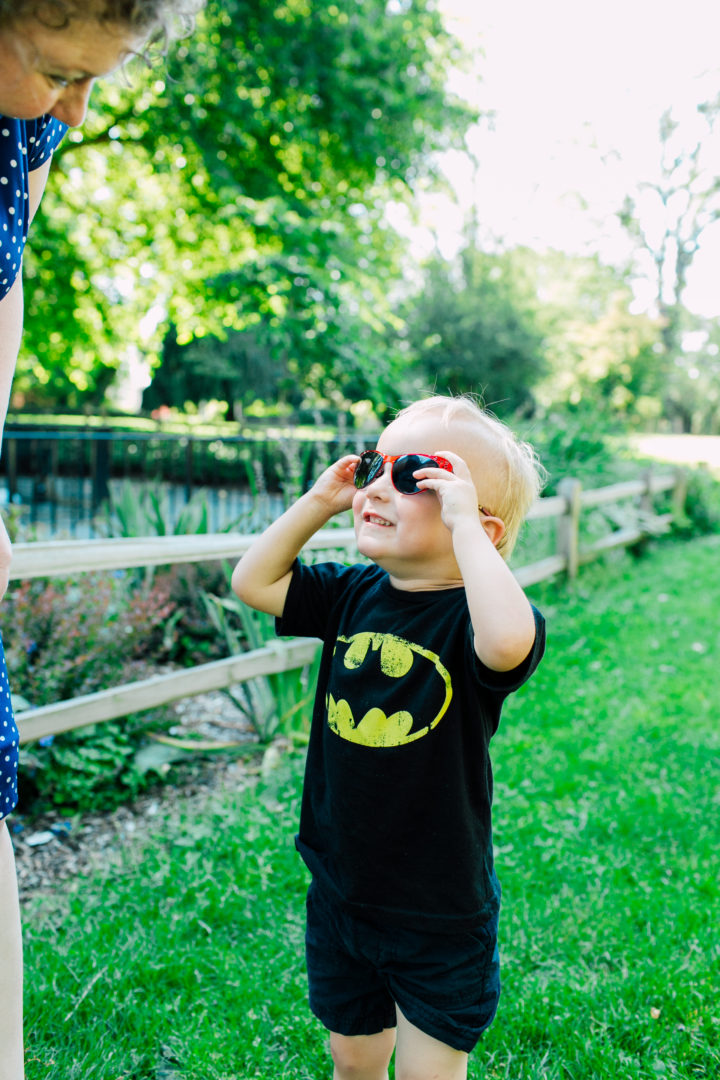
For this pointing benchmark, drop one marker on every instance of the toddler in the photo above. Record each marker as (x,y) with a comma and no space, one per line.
(421,647)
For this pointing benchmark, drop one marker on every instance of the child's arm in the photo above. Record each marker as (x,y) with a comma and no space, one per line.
(501,615)
(262,577)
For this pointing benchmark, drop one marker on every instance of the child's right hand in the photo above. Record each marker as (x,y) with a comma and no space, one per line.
(335,488)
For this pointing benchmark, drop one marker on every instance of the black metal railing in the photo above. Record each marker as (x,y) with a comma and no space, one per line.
(66,481)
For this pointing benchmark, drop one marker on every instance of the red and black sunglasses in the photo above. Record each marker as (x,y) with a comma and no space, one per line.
(404,466)
(372,463)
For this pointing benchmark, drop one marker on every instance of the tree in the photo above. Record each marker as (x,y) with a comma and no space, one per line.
(473,327)
(692,388)
(601,356)
(237,370)
(669,216)
(260,162)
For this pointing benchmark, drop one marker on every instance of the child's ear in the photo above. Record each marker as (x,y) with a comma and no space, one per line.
(494,527)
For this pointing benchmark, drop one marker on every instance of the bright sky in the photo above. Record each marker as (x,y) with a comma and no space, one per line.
(577,90)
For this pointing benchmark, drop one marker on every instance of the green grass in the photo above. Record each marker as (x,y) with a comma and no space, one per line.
(185,962)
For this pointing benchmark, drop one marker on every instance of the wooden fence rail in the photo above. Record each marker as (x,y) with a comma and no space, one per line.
(57,558)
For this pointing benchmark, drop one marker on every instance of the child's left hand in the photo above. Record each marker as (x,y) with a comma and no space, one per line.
(455,490)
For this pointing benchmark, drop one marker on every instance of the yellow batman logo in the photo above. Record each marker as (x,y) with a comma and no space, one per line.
(414,671)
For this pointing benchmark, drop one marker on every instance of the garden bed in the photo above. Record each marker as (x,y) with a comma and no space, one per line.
(53,847)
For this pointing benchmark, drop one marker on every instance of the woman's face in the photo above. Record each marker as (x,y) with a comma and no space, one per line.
(43,70)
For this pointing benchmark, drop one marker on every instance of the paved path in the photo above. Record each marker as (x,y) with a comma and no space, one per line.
(681,449)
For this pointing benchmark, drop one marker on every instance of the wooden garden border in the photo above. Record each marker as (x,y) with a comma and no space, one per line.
(59,557)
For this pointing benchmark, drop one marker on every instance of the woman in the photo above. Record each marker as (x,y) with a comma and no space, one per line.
(51,52)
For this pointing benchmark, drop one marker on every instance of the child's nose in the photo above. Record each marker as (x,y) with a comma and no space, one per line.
(381,483)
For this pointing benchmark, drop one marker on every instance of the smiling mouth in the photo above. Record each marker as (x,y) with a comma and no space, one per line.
(374,519)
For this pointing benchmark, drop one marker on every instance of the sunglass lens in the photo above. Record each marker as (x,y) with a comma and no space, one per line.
(368,467)
(403,469)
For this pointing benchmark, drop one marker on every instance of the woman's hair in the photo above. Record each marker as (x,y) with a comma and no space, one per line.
(518,475)
(158,21)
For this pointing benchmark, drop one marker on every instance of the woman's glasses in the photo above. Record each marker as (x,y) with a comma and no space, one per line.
(372,463)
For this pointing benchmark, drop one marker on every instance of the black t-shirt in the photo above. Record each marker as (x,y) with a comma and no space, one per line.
(395,817)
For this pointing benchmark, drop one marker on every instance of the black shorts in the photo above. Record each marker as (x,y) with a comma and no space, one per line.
(446,984)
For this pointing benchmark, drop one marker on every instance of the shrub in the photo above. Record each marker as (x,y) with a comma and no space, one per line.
(576,443)
(702,504)
(69,637)
(93,768)
(275,704)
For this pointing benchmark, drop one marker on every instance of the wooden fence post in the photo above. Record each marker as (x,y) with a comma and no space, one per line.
(646,499)
(569,525)
(679,495)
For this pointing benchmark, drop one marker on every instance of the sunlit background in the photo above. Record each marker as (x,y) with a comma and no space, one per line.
(266,230)
(573,95)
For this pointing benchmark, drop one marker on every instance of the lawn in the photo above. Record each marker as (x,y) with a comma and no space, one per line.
(185,961)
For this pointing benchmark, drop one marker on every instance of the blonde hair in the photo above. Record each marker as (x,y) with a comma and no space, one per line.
(518,474)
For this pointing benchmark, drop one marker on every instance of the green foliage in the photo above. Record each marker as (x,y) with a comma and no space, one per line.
(702,504)
(473,327)
(321,91)
(70,637)
(94,768)
(667,218)
(67,638)
(237,370)
(577,443)
(606,845)
(670,212)
(600,355)
(260,163)
(691,391)
(140,511)
(273,704)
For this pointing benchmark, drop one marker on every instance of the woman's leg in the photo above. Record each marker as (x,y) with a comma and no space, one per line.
(11,988)
(362,1057)
(420,1057)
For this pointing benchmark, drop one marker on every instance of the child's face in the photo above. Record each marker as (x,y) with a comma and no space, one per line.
(405,533)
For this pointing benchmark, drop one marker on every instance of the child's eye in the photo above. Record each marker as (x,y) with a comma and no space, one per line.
(58,81)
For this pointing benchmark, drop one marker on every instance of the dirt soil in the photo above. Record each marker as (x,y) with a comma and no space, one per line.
(52,848)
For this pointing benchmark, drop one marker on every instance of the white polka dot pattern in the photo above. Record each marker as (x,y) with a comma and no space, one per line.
(25,145)
(8,745)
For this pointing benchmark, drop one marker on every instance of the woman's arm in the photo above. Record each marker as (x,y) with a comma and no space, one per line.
(11,325)
(11,320)
(11,305)
(262,577)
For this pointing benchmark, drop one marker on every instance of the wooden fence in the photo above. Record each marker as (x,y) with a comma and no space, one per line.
(56,558)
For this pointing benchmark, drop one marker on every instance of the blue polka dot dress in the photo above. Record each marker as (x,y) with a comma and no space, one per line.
(8,745)
(25,145)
